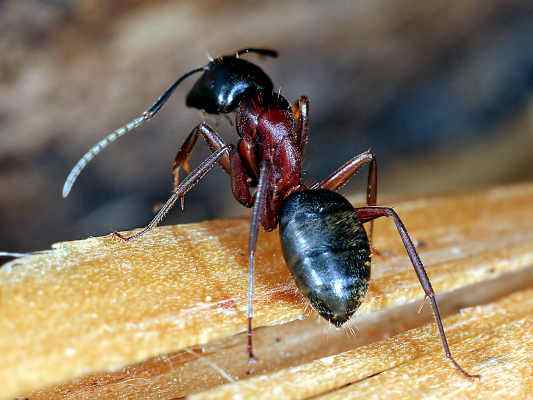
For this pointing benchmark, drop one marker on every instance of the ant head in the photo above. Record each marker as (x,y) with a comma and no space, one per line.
(226,80)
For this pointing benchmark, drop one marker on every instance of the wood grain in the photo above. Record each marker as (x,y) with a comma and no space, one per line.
(496,340)
(127,320)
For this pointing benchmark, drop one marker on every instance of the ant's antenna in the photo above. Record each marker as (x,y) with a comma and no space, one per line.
(111,137)
(261,52)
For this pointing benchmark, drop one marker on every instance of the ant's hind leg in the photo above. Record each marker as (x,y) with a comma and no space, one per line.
(342,175)
(367,214)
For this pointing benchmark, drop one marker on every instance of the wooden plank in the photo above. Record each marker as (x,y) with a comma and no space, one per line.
(95,306)
(495,340)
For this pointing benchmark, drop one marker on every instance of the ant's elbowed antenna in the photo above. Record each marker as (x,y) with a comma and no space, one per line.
(145,116)
(111,137)
(261,52)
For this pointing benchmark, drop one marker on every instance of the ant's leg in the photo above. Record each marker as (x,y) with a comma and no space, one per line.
(188,183)
(130,126)
(240,185)
(342,175)
(261,52)
(300,110)
(367,214)
(231,163)
(257,212)
(212,139)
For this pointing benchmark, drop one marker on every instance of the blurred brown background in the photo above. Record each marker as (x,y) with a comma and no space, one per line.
(439,89)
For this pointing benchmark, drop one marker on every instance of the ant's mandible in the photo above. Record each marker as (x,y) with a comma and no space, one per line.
(324,243)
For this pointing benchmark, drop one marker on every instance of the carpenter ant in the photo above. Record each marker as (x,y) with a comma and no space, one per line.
(324,243)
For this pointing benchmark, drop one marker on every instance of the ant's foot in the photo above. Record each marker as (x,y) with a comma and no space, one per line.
(460,369)
(117,236)
(252,361)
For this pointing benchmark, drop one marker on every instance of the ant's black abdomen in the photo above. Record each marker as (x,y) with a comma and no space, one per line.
(327,251)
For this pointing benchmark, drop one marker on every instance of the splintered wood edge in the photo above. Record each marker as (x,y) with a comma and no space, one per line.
(282,347)
(99,305)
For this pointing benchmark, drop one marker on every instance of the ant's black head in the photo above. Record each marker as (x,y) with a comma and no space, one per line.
(226,80)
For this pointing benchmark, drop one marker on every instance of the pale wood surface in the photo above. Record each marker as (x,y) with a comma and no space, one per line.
(98,305)
(495,340)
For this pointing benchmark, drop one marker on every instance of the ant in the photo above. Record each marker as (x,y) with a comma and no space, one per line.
(323,240)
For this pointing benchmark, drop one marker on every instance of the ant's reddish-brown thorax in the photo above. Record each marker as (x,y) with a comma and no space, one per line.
(269,132)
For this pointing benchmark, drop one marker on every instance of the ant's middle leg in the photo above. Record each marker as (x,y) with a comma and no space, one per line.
(341,176)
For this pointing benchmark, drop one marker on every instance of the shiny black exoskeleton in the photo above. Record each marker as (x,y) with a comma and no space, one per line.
(225,82)
(326,248)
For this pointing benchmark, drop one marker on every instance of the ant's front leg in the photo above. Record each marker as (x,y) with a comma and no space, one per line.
(300,110)
(367,214)
(341,176)
(187,184)
(212,139)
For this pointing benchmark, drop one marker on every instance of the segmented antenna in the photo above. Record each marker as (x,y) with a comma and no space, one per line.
(261,52)
(110,138)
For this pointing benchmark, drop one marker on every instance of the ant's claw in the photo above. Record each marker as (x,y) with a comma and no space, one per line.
(186,166)
(252,361)
(117,236)
(472,377)
(463,372)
